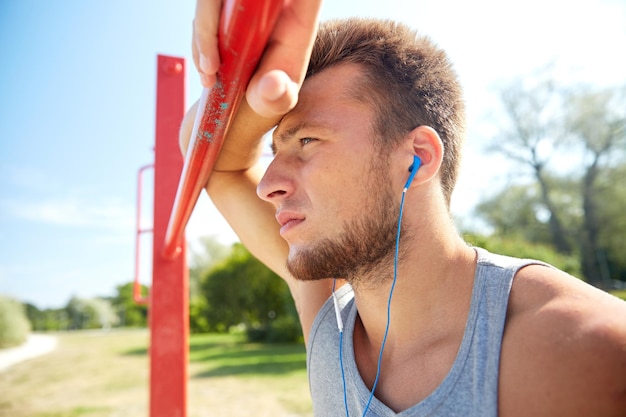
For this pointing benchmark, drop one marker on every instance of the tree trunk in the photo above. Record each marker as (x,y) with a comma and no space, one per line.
(557,231)
(590,262)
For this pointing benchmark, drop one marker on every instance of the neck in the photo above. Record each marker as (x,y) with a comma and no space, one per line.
(433,288)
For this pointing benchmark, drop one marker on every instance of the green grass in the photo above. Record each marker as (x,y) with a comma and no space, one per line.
(103,374)
(76,412)
(619,293)
(229,354)
(226,355)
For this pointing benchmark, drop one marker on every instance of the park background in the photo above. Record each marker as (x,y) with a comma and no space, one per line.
(78,82)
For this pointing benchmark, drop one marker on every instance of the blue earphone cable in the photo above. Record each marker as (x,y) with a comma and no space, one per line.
(413,170)
(393,285)
(382,346)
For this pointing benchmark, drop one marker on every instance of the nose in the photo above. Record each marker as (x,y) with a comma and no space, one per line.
(276,184)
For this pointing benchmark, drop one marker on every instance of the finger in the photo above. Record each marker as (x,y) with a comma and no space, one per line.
(205,49)
(207,79)
(292,39)
(288,50)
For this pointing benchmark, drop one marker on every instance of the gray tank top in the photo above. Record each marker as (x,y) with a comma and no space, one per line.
(470,388)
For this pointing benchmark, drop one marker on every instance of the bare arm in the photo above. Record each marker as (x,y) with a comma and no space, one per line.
(272,92)
(232,188)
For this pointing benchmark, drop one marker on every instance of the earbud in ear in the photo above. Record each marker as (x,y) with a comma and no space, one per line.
(415,166)
(416,163)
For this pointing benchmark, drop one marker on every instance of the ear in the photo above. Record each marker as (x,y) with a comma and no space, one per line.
(424,142)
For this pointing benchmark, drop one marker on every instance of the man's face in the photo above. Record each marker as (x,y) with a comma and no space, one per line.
(331,187)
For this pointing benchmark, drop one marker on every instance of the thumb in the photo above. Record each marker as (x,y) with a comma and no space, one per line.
(272,94)
(273,90)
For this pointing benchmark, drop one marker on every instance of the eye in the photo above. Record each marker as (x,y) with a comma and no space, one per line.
(304,141)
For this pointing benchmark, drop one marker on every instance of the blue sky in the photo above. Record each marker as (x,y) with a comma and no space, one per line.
(77,83)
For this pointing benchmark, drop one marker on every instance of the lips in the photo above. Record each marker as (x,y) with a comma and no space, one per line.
(288,220)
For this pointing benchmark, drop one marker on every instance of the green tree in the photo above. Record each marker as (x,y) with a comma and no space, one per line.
(596,122)
(610,190)
(130,313)
(241,290)
(56,319)
(203,257)
(90,313)
(531,136)
(570,140)
(514,245)
(14,325)
(51,319)
(518,211)
(35,317)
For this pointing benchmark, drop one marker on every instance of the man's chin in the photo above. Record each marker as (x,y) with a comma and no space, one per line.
(303,267)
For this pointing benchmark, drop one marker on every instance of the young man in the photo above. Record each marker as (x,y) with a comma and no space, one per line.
(440,328)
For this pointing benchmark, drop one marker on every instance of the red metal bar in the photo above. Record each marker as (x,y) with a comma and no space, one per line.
(138,297)
(169,295)
(244,30)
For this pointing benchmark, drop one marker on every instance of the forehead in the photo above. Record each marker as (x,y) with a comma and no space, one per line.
(327,100)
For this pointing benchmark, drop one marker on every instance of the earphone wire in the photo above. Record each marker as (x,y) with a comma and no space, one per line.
(413,169)
(393,285)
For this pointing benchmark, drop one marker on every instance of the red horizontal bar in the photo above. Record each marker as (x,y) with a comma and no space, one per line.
(244,30)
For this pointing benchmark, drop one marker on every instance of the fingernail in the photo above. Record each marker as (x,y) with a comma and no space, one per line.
(204,63)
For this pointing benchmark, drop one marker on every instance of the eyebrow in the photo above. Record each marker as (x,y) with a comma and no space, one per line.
(291,132)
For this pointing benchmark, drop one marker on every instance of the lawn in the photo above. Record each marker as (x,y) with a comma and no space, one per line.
(619,293)
(98,374)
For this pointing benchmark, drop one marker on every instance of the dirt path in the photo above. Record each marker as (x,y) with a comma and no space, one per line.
(36,345)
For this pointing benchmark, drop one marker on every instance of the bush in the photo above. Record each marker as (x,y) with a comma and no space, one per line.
(14,326)
(198,322)
(284,329)
(90,313)
(520,248)
(256,334)
(241,289)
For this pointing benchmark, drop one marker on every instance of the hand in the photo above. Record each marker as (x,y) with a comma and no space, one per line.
(273,89)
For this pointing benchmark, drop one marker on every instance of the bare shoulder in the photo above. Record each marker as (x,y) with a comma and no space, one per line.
(564,348)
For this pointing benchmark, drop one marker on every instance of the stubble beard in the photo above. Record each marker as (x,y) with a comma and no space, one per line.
(363,252)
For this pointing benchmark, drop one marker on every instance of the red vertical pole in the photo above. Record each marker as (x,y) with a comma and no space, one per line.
(169,303)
